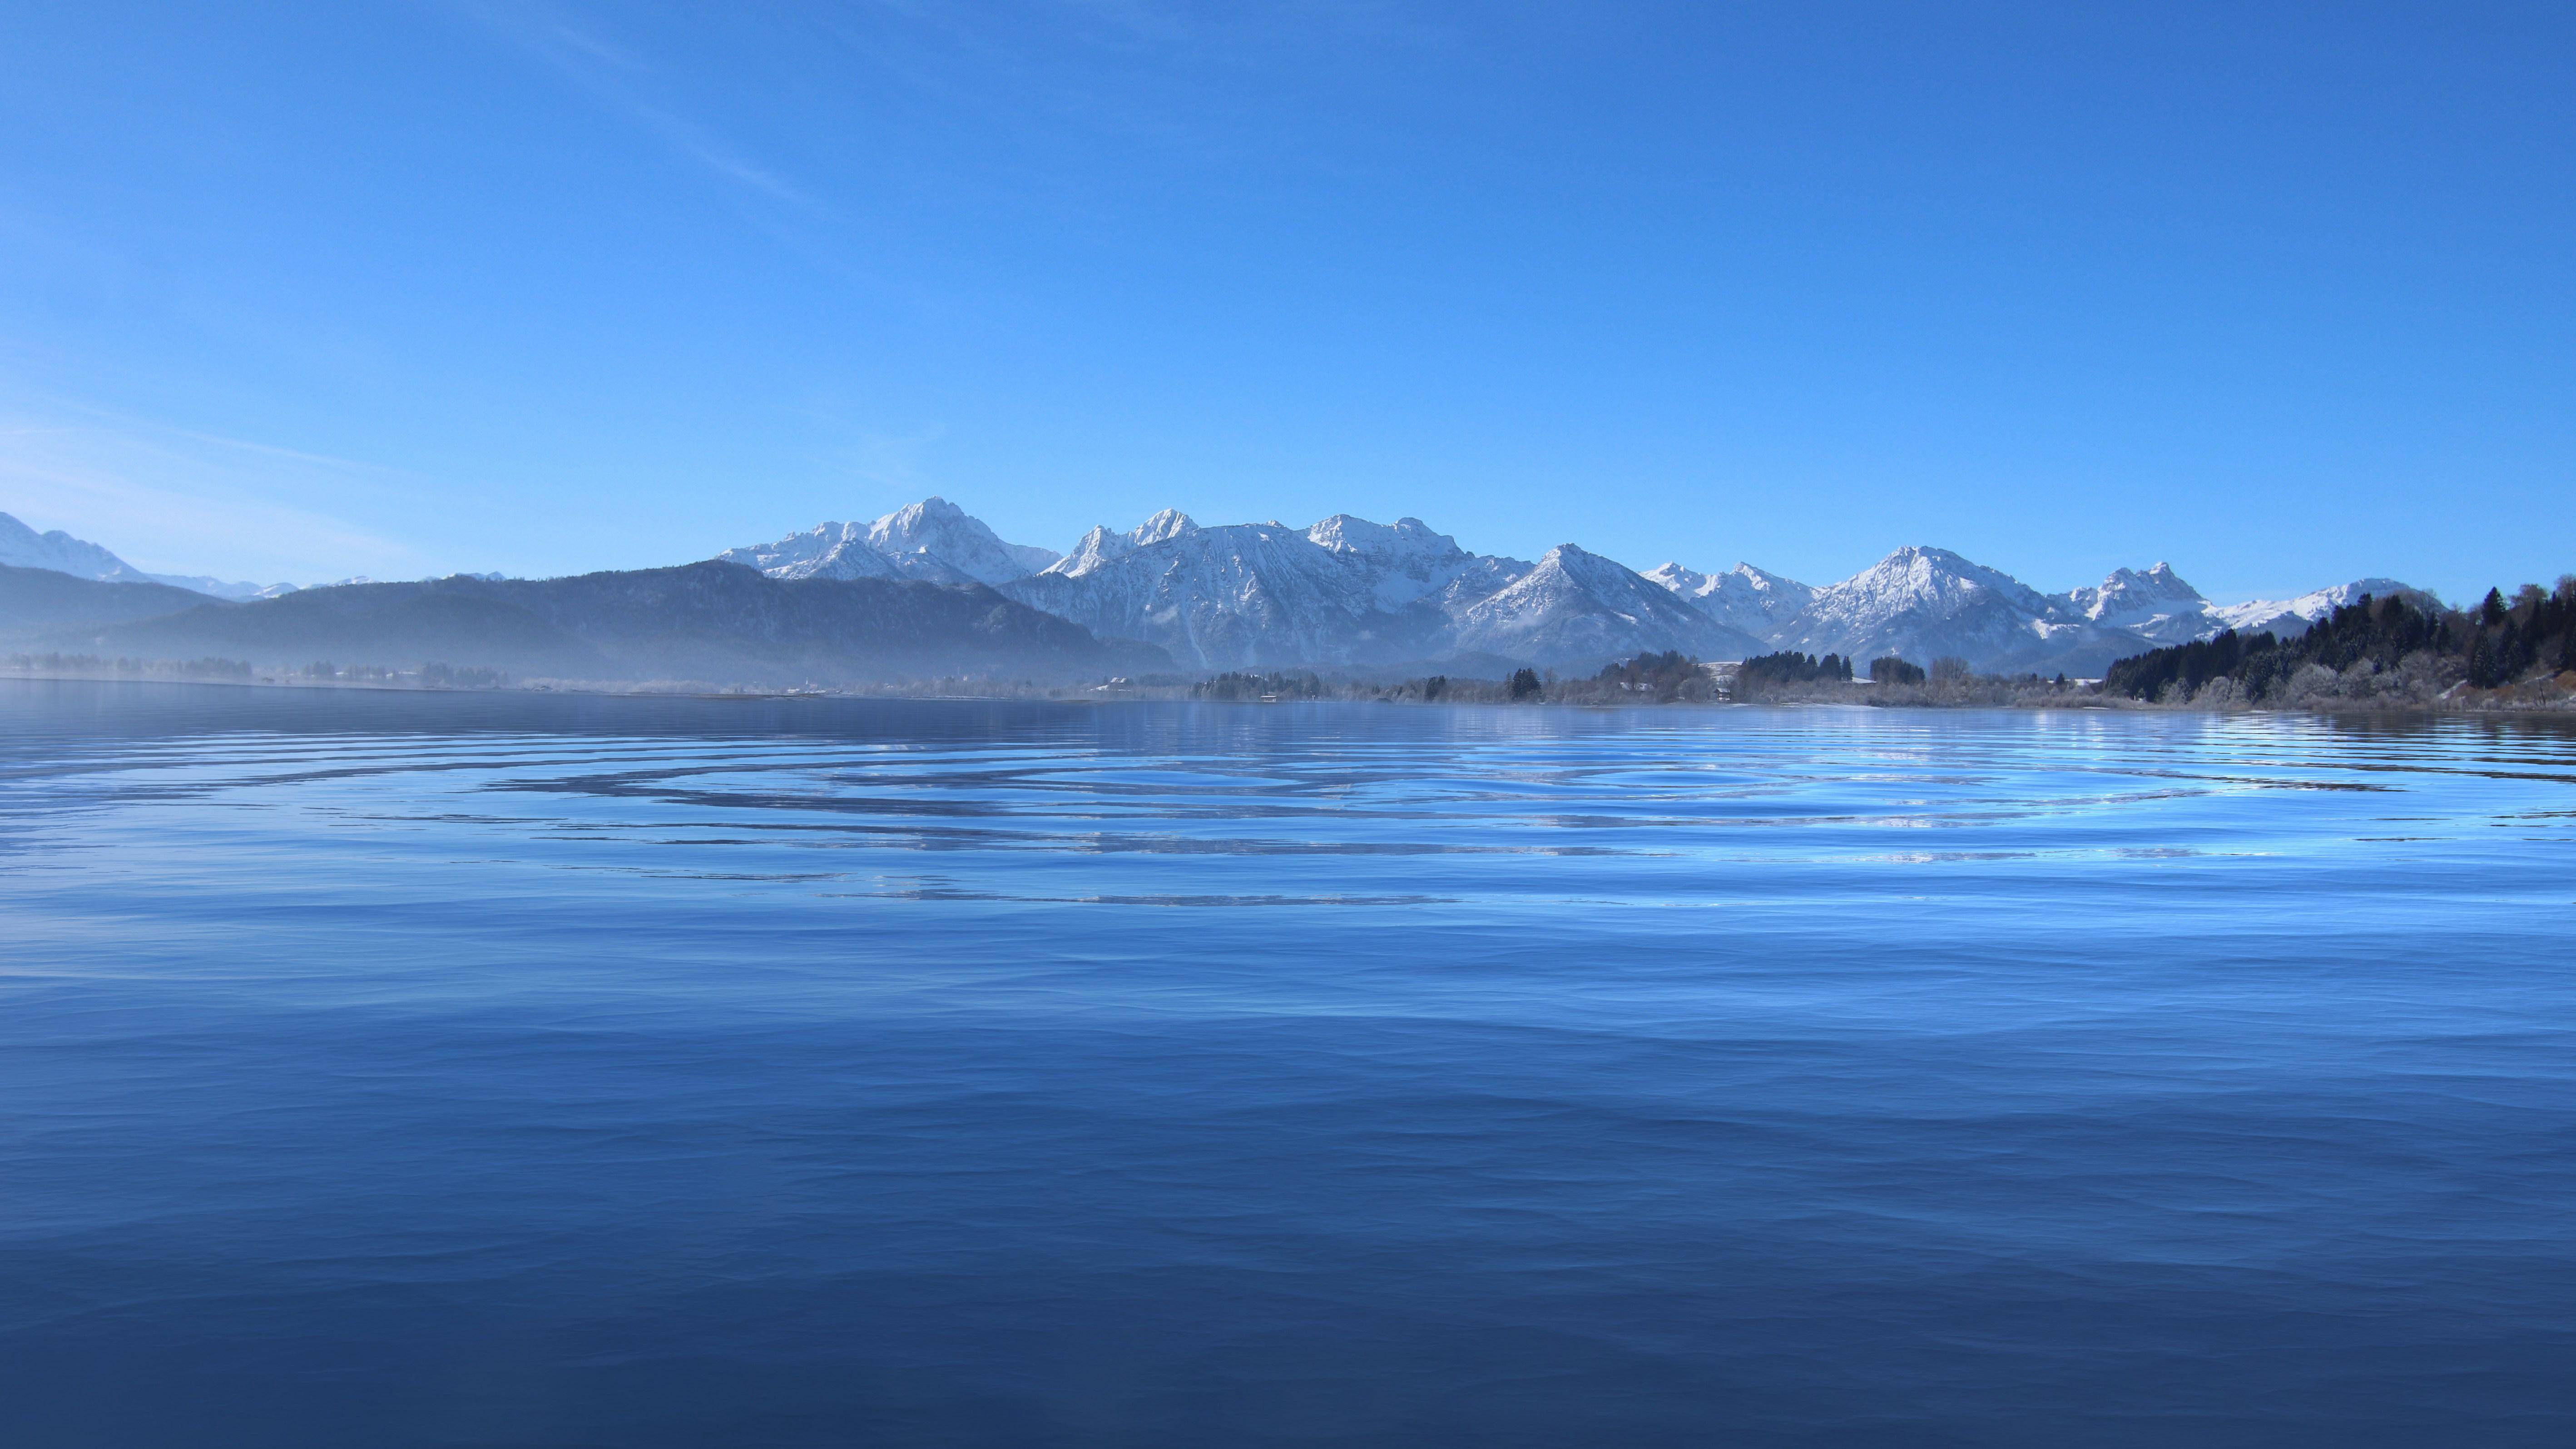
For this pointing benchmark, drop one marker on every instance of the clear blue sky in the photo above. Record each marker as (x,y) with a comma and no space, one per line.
(2283,294)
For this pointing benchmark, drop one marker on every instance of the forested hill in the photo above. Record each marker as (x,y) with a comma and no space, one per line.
(36,600)
(2392,650)
(717,622)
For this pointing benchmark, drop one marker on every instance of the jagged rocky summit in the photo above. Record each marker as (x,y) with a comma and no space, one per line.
(933,540)
(1754,600)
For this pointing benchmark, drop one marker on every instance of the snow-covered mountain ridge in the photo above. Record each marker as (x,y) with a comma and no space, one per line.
(1351,592)
(57,551)
(1346,591)
(1753,600)
(1924,603)
(933,539)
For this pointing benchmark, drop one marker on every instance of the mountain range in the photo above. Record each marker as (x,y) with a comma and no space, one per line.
(1354,593)
(1351,593)
(945,595)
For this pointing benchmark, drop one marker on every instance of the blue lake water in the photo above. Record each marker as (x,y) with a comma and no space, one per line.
(402,1069)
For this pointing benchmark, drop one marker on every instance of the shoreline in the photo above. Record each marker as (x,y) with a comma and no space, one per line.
(2485,707)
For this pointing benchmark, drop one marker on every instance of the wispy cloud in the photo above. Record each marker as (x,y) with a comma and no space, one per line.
(176,500)
(697,144)
(619,79)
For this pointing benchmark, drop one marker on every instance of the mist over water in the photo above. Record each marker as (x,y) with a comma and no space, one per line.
(493,1069)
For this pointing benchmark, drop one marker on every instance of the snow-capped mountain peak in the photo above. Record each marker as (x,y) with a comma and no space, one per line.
(1095,548)
(1402,561)
(1928,579)
(2291,616)
(2156,605)
(1922,603)
(825,551)
(1582,566)
(1754,600)
(1100,546)
(933,540)
(23,547)
(59,552)
(1690,583)
(1170,523)
(1575,605)
(1403,539)
(936,539)
(2131,594)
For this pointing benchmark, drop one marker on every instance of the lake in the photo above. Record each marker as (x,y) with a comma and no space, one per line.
(497,1069)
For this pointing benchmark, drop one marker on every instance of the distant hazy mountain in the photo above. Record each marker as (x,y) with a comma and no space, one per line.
(23,547)
(36,601)
(933,540)
(712,621)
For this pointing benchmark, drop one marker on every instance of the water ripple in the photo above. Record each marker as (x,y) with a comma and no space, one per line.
(414,1069)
